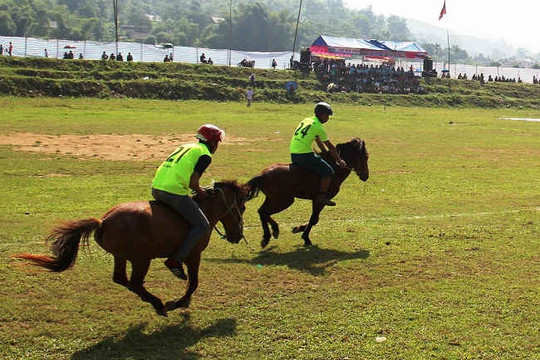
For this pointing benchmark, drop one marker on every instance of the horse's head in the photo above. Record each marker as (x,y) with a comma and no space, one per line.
(230,205)
(355,154)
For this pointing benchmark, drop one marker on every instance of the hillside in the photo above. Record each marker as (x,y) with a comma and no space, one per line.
(424,32)
(178,81)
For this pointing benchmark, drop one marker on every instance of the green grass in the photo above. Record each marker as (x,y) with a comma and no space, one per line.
(438,251)
(39,77)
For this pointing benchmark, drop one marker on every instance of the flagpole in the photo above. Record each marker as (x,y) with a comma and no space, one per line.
(448,47)
(443,12)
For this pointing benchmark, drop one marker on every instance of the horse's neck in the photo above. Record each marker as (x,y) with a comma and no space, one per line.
(208,210)
(340,173)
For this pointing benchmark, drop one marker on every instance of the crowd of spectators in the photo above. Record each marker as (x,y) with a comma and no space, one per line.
(341,77)
(203,60)
(7,49)
(482,79)
(118,57)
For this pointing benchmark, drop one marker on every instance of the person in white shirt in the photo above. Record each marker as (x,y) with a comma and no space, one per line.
(249,97)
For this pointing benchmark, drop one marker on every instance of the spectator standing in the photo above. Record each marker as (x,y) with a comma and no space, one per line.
(119,57)
(252,79)
(46,53)
(203,58)
(249,97)
(112,57)
(166,58)
(1,49)
(10,49)
(274,64)
(129,57)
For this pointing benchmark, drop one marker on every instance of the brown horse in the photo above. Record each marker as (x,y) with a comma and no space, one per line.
(281,183)
(141,231)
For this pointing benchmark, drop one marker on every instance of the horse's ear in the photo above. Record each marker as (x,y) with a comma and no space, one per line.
(357,143)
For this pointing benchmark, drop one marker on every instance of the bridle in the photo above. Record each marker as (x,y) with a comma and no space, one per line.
(356,168)
(234,206)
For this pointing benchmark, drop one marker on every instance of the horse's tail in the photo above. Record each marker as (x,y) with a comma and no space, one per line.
(255,185)
(66,236)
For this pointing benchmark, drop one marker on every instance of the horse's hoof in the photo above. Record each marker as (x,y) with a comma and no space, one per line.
(171,305)
(307,242)
(275,234)
(297,229)
(162,312)
(264,242)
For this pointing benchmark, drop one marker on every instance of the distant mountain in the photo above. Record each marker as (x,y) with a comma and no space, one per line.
(473,45)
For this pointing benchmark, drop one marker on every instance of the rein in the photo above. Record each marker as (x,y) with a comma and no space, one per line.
(229,209)
(355,169)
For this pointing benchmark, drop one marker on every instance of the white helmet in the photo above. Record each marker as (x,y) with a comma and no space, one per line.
(324,108)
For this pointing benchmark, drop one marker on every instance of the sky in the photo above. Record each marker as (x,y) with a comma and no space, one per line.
(516,21)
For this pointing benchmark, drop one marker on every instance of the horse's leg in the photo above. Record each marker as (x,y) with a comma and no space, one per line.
(192,262)
(263,215)
(268,208)
(139,270)
(119,275)
(313,220)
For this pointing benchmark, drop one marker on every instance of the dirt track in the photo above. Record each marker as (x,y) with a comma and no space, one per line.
(106,147)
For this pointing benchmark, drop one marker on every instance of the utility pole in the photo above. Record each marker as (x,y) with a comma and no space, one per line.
(115,9)
(296,32)
(229,54)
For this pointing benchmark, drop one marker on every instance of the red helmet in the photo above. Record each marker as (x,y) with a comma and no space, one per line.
(209,132)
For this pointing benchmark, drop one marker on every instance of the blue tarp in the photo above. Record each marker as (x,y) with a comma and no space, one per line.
(325,44)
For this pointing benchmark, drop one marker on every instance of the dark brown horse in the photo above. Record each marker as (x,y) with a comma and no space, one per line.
(281,183)
(141,231)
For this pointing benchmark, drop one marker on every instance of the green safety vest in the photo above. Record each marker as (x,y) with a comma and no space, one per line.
(174,174)
(305,134)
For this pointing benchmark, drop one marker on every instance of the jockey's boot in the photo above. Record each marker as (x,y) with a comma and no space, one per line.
(176,268)
(322,199)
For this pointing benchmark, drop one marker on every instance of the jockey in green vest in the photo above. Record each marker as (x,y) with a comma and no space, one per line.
(311,129)
(174,179)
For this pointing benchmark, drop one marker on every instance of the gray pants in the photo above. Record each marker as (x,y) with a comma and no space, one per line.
(190,211)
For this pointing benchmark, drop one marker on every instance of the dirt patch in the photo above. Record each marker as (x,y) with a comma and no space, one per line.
(106,147)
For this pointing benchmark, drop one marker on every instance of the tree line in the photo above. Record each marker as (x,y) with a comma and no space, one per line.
(264,25)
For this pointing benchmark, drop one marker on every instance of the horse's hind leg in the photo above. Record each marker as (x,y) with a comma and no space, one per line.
(268,208)
(264,222)
(275,227)
(119,275)
(139,270)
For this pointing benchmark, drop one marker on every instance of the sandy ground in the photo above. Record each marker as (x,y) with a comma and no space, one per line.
(107,147)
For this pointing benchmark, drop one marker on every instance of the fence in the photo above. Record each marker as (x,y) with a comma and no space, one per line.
(92,50)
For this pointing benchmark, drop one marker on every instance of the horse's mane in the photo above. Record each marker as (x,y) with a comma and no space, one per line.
(347,148)
(240,189)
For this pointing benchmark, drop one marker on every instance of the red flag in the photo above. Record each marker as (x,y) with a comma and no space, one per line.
(443,10)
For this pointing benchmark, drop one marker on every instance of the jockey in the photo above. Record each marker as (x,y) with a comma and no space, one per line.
(179,173)
(311,129)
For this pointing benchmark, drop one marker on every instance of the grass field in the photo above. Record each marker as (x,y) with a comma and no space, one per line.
(436,256)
